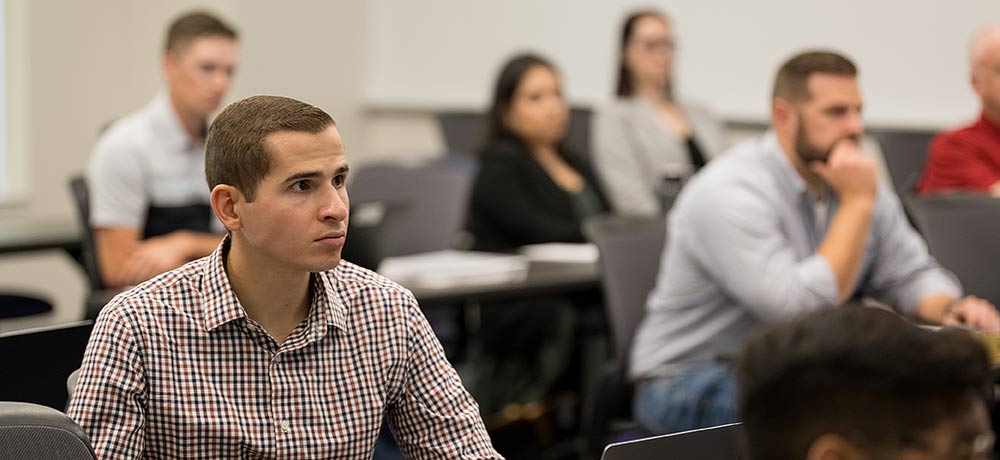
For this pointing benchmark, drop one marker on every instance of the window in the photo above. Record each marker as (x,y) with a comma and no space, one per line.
(13,106)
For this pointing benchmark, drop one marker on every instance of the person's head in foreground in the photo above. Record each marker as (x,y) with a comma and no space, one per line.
(278,173)
(860,383)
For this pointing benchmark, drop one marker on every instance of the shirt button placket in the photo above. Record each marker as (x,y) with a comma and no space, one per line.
(282,424)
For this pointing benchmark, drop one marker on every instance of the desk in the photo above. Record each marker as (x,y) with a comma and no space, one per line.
(542,278)
(19,235)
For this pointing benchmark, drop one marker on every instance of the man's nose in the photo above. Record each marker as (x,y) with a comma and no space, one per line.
(334,205)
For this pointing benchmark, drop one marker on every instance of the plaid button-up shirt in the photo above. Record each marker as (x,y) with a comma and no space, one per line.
(176,370)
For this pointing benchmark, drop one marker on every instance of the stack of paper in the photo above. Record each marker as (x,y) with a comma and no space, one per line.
(442,269)
(584,253)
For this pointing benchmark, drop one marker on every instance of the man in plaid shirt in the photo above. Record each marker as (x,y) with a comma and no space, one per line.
(272,347)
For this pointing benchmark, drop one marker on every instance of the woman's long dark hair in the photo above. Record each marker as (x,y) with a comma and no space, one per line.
(503,93)
(625,88)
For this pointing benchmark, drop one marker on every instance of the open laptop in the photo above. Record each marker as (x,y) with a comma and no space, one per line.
(715,443)
(35,363)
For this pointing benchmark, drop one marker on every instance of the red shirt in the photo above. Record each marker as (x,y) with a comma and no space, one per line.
(965,159)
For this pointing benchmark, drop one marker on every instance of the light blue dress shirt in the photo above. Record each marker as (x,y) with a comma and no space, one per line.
(741,253)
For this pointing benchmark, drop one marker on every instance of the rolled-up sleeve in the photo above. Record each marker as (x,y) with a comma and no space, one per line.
(738,239)
(903,273)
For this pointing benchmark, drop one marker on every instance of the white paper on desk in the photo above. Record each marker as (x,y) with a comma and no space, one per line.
(442,269)
(583,253)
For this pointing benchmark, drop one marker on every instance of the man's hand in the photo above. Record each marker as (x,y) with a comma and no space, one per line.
(849,171)
(972,312)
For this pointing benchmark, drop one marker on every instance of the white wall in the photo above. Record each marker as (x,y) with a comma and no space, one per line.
(912,53)
(86,63)
(93,61)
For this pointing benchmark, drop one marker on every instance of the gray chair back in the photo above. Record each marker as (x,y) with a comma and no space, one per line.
(961,233)
(630,249)
(81,197)
(415,208)
(905,155)
(33,432)
(464,131)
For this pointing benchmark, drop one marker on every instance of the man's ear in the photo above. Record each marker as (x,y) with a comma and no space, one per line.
(781,111)
(169,64)
(833,447)
(783,115)
(974,80)
(225,199)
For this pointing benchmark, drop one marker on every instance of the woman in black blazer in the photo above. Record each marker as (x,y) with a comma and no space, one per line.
(529,190)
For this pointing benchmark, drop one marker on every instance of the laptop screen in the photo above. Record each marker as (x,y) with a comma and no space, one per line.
(715,443)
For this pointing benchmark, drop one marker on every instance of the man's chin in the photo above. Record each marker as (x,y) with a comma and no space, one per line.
(328,263)
(813,157)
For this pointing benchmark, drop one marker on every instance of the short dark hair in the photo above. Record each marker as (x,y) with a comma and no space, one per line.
(235,150)
(865,374)
(197,24)
(624,87)
(792,81)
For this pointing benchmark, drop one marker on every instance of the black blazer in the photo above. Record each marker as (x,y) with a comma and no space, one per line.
(514,202)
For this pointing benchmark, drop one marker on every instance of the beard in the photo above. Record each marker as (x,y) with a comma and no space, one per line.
(808,151)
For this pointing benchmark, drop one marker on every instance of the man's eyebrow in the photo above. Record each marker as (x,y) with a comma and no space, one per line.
(303,175)
(314,174)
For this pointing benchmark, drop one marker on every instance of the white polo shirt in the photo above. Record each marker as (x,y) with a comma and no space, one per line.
(146,164)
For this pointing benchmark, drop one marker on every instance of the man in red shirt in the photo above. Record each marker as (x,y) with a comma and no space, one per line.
(969,158)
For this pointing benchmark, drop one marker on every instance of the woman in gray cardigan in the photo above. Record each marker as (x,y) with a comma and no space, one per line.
(647,144)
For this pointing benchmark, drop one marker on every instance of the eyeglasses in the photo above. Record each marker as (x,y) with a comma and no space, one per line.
(981,448)
(978,448)
(655,46)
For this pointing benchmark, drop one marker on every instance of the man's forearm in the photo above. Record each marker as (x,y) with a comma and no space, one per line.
(193,245)
(933,308)
(844,245)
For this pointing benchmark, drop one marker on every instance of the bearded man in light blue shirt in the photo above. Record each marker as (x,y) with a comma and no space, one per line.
(788,223)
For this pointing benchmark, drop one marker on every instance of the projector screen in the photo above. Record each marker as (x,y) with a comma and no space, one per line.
(913,55)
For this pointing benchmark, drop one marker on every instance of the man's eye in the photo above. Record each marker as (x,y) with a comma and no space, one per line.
(300,186)
(339,180)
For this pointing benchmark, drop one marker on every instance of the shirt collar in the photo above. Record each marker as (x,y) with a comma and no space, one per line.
(989,125)
(168,124)
(787,175)
(222,306)
(330,308)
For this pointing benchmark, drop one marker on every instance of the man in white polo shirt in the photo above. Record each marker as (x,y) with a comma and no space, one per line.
(149,199)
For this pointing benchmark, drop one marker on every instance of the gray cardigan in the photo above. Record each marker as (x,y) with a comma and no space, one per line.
(633,151)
